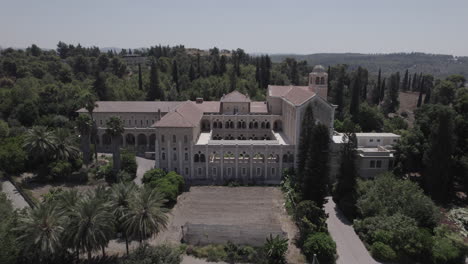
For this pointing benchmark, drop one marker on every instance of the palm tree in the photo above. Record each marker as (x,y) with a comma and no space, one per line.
(65,145)
(84,125)
(66,203)
(275,249)
(115,129)
(41,230)
(88,99)
(91,225)
(40,144)
(120,196)
(146,215)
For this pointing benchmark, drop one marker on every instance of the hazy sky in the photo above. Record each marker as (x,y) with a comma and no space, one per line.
(288,26)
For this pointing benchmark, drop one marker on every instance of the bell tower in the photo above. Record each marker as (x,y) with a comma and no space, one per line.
(318,81)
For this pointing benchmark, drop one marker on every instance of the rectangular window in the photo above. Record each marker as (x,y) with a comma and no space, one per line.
(259,172)
(186,171)
(175,156)
(185,139)
(229,171)
(273,171)
(378,140)
(371,140)
(100,121)
(199,171)
(244,171)
(147,122)
(174,139)
(162,138)
(378,164)
(372,163)
(213,171)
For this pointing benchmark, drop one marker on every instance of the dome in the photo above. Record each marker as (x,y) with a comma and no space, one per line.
(318,68)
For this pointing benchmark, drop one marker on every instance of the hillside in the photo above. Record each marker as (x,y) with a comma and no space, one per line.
(438,65)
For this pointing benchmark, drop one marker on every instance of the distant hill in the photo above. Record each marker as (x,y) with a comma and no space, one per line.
(438,65)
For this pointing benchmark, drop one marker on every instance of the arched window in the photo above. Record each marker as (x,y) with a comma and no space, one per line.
(285,158)
(291,158)
(227,124)
(267,125)
(231,124)
(220,124)
(255,125)
(263,125)
(317,80)
(174,139)
(202,157)
(196,158)
(251,125)
(163,156)
(239,124)
(215,124)
(322,80)
(186,156)
(244,125)
(185,139)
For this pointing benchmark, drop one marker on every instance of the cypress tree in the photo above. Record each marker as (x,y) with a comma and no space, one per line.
(379,81)
(222,65)
(294,73)
(192,73)
(415,82)
(437,178)
(355,95)
(140,80)
(175,74)
(307,126)
(391,101)
(427,98)
(345,194)
(100,87)
(420,95)
(404,86)
(382,91)
(154,91)
(315,176)
(199,67)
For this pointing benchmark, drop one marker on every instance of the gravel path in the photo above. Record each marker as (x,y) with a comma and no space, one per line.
(349,247)
(17,200)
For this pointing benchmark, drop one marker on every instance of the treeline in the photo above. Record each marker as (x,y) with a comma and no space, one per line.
(440,66)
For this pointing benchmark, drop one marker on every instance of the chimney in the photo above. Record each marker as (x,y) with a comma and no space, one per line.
(199,100)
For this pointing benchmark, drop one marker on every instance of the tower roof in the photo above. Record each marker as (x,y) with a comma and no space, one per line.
(318,68)
(235,97)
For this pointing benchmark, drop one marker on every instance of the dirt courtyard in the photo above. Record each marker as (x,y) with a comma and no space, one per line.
(212,214)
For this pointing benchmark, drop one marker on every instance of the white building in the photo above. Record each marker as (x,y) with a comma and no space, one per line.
(234,139)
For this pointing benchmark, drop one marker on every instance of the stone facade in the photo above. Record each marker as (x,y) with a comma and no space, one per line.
(234,139)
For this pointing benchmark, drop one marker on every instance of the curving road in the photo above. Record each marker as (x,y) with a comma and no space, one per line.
(349,247)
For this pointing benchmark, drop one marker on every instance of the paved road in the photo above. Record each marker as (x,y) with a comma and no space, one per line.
(144,165)
(17,200)
(350,248)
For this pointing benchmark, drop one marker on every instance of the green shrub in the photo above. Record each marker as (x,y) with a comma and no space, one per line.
(12,156)
(162,254)
(387,195)
(213,253)
(383,252)
(309,219)
(60,169)
(153,175)
(170,184)
(104,172)
(128,163)
(321,244)
(124,176)
(444,251)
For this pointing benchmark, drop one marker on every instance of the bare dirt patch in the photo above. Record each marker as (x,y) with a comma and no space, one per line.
(227,212)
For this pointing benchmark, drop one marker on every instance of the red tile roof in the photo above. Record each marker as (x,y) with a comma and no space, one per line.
(187,114)
(258,107)
(296,95)
(209,106)
(133,107)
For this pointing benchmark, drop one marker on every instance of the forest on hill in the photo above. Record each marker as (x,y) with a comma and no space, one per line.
(435,64)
